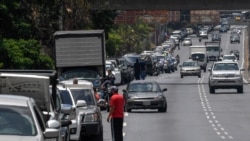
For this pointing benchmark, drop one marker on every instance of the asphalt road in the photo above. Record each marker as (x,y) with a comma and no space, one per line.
(193,113)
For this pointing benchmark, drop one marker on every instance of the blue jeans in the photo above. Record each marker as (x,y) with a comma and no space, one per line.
(143,75)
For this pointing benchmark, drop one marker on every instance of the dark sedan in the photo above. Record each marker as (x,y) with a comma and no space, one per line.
(143,94)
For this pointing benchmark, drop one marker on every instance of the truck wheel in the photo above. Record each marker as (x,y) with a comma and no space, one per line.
(211,90)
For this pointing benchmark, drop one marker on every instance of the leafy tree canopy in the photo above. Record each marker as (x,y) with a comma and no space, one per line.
(23,54)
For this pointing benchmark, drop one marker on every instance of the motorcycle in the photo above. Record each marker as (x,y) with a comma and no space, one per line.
(105,94)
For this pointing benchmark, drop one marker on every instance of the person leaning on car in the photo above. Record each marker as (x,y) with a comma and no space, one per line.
(116,114)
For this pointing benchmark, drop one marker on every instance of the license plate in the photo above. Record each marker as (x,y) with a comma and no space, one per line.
(146,103)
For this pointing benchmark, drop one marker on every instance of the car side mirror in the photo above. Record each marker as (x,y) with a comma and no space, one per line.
(180,66)
(165,89)
(53,124)
(81,103)
(209,69)
(51,133)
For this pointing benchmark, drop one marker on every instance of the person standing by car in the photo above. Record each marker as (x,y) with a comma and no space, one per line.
(143,69)
(116,114)
(137,69)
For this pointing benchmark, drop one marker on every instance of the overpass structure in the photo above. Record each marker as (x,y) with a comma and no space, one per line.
(171,4)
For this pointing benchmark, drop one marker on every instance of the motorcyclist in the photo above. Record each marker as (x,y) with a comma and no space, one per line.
(108,80)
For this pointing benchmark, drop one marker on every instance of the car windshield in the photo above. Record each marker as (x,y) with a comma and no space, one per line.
(188,64)
(132,59)
(109,66)
(226,66)
(16,121)
(83,94)
(199,57)
(211,49)
(84,74)
(65,96)
(144,87)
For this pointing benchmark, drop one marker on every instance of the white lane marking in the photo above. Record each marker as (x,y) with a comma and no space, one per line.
(243,55)
(210,115)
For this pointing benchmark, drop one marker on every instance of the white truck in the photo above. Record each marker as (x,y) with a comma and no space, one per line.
(80,54)
(199,54)
(213,51)
(36,84)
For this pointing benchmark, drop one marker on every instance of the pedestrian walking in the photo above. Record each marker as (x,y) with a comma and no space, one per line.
(116,114)
(137,69)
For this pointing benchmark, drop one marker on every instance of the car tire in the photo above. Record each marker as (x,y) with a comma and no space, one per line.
(211,90)
(163,109)
(98,137)
(199,76)
(205,69)
(181,76)
(240,89)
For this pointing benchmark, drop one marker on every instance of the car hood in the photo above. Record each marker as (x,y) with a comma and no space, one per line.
(233,72)
(140,95)
(19,138)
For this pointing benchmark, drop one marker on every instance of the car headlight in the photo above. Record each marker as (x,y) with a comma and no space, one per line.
(160,97)
(237,75)
(91,117)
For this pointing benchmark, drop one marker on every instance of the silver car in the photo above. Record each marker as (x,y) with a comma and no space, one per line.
(144,94)
(21,119)
(187,42)
(190,68)
(225,75)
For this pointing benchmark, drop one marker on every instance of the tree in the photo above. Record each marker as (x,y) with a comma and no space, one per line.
(113,44)
(23,54)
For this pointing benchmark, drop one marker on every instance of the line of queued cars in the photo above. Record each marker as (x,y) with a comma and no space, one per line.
(33,109)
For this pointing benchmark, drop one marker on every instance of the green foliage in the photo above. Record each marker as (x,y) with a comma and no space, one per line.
(132,37)
(113,44)
(23,54)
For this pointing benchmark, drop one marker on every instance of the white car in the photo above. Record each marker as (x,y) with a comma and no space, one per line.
(115,71)
(230,57)
(187,42)
(87,120)
(21,119)
(225,75)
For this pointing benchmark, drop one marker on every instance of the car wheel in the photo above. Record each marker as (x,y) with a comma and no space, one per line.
(211,90)
(204,69)
(163,109)
(181,76)
(98,137)
(240,89)
(199,76)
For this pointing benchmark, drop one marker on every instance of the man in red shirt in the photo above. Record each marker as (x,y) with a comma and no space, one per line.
(116,114)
